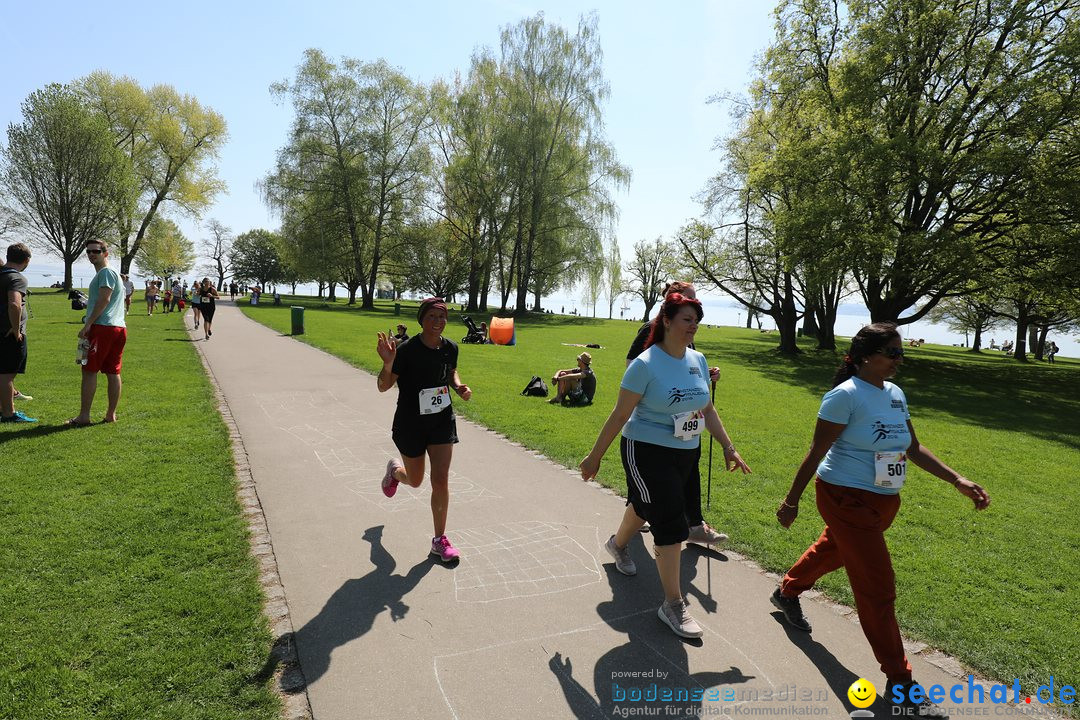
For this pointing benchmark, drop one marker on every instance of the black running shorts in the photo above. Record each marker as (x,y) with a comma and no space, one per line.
(656,477)
(413,435)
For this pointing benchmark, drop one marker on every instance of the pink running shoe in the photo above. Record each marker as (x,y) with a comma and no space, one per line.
(442,549)
(389,482)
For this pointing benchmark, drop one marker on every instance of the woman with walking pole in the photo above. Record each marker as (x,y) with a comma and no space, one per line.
(662,409)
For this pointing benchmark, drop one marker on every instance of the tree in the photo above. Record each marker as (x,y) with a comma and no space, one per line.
(647,270)
(592,281)
(356,143)
(470,174)
(218,248)
(613,283)
(937,108)
(256,255)
(394,114)
(165,252)
(558,158)
(66,181)
(431,258)
(171,142)
(972,313)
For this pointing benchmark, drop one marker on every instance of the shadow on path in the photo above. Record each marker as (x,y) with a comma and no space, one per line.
(651,649)
(838,677)
(351,611)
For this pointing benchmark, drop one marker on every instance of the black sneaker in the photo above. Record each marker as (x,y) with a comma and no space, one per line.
(907,708)
(792,610)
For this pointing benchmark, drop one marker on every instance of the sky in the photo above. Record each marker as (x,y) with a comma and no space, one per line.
(663,63)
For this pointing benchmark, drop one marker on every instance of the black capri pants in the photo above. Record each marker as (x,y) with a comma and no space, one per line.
(656,478)
(206,309)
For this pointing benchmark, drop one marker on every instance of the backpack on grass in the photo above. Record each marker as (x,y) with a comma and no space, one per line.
(536,387)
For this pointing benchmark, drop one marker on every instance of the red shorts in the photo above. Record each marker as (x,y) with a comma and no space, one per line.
(106,349)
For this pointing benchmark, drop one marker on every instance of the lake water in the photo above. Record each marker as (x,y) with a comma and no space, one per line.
(719,310)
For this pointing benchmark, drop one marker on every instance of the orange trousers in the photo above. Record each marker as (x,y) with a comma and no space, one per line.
(854,539)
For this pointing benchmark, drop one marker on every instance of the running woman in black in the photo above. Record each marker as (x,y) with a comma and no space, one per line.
(425,370)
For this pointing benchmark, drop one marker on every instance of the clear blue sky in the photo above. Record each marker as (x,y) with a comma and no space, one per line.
(663,62)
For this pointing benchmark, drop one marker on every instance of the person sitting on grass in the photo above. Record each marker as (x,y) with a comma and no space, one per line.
(575,386)
(402,334)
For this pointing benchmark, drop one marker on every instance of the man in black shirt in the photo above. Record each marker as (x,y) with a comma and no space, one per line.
(13,292)
(575,386)
(424,368)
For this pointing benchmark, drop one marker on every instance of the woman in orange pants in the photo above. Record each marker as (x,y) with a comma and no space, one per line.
(862,442)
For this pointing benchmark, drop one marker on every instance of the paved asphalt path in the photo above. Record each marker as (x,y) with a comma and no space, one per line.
(534,622)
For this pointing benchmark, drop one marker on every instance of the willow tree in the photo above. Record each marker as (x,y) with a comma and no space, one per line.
(562,167)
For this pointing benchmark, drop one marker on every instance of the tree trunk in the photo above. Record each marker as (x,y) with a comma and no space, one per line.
(826,327)
(787,325)
(321,286)
(1033,340)
(809,326)
(976,344)
(1020,351)
(331,293)
(1040,346)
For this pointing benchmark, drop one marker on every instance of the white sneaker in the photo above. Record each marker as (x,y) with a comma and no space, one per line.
(704,534)
(676,617)
(623,562)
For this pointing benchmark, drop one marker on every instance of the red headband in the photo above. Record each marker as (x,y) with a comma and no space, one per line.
(431,303)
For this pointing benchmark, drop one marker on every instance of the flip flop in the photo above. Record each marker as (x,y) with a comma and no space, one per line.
(74,422)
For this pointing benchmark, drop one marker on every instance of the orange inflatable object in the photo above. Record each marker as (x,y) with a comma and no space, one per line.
(501,331)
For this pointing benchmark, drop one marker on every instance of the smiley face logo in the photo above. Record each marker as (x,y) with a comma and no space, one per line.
(862,693)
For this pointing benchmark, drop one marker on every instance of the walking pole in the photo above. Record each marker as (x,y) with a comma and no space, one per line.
(708,492)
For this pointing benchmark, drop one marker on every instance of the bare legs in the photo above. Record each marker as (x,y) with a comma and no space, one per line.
(413,476)
(89,388)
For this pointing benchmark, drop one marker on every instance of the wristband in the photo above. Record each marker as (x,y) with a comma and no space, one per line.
(729,448)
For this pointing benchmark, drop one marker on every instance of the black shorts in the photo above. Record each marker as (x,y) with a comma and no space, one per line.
(12,355)
(207,311)
(412,435)
(656,478)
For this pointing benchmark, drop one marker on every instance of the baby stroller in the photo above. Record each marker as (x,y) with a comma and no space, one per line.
(78,300)
(475,337)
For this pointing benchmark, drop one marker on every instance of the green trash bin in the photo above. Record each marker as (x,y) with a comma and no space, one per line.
(397,308)
(297,319)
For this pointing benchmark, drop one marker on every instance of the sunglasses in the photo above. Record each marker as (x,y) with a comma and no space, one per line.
(93,252)
(892,352)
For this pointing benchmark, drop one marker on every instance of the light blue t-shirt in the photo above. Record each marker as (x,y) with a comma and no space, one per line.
(114,311)
(668,387)
(876,420)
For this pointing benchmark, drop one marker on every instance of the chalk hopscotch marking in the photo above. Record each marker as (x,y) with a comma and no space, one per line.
(522,559)
(685,678)
(354,450)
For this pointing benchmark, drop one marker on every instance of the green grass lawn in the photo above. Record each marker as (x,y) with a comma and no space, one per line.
(128,587)
(998,589)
